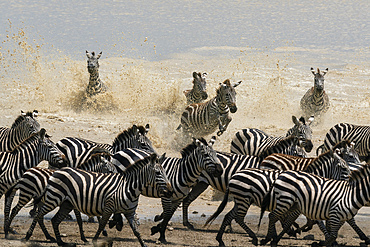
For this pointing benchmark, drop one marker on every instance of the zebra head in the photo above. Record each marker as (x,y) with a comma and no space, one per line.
(92,61)
(227,95)
(303,132)
(134,137)
(208,157)
(27,122)
(48,150)
(200,84)
(319,79)
(162,184)
(347,151)
(341,169)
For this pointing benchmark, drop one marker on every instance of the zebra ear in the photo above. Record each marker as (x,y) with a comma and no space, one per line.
(204,75)
(147,128)
(195,75)
(35,113)
(135,129)
(310,120)
(313,71)
(42,133)
(325,71)
(153,158)
(237,84)
(352,145)
(295,120)
(99,55)
(212,141)
(88,54)
(161,158)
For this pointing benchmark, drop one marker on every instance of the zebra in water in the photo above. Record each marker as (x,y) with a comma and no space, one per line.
(28,154)
(250,186)
(359,134)
(297,192)
(78,151)
(316,101)
(182,173)
(199,91)
(23,127)
(95,86)
(251,141)
(98,194)
(205,118)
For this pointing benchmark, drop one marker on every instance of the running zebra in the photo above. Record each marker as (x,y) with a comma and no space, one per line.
(250,186)
(23,127)
(251,141)
(205,118)
(199,91)
(318,198)
(359,134)
(28,154)
(316,101)
(183,173)
(95,86)
(78,151)
(98,194)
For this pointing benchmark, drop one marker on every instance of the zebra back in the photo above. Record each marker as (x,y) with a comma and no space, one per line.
(23,127)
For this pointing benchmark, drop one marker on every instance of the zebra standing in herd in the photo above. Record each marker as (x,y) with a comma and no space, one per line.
(23,127)
(358,134)
(318,198)
(204,118)
(316,102)
(95,86)
(251,141)
(98,194)
(250,186)
(199,91)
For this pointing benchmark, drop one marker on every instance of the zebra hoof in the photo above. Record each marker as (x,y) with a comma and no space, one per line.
(367,241)
(155,229)
(119,226)
(255,241)
(189,225)
(157,218)
(112,223)
(105,234)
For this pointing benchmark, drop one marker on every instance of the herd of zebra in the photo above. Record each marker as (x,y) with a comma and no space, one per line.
(274,173)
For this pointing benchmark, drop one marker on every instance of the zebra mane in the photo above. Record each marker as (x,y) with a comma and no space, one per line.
(128,134)
(186,151)
(21,118)
(139,164)
(28,140)
(356,174)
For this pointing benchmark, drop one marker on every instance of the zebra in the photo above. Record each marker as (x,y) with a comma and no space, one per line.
(95,86)
(316,101)
(297,192)
(23,127)
(250,186)
(183,173)
(203,119)
(28,154)
(199,91)
(252,141)
(78,151)
(99,194)
(359,134)
(231,163)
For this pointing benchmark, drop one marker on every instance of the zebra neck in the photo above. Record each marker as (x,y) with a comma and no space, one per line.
(318,94)
(94,78)
(360,185)
(190,169)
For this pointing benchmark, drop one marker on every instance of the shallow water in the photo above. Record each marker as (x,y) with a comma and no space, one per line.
(150,50)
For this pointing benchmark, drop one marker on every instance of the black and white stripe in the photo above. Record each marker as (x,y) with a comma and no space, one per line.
(183,173)
(251,141)
(316,101)
(95,86)
(97,194)
(359,134)
(23,127)
(317,198)
(250,186)
(205,118)
(199,91)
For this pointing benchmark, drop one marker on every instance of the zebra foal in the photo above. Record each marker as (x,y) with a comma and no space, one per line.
(23,127)
(199,91)
(316,102)
(95,86)
(318,198)
(97,194)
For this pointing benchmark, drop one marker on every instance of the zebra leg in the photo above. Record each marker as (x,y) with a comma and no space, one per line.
(39,218)
(103,220)
(198,189)
(33,211)
(131,220)
(333,226)
(9,196)
(271,232)
(80,224)
(14,212)
(287,224)
(64,209)
(166,206)
(104,232)
(357,229)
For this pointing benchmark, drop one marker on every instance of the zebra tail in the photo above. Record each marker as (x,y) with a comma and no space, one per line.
(37,200)
(219,209)
(265,202)
(10,190)
(318,148)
